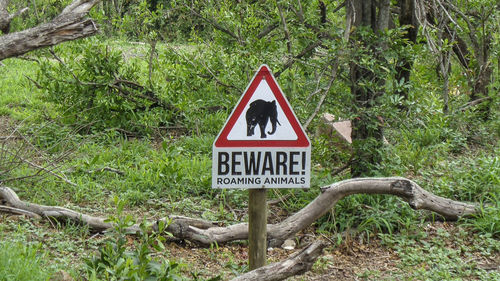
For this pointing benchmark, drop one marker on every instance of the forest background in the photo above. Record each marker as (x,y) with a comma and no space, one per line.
(121,125)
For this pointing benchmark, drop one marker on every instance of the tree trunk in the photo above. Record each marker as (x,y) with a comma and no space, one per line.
(403,67)
(71,24)
(366,85)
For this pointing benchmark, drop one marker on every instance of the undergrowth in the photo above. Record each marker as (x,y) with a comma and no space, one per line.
(21,262)
(157,158)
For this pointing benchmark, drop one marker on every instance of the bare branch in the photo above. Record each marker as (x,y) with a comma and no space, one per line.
(473,103)
(299,263)
(304,52)
(285,29)
(71,24)
(340,6)
(267,30)
(40,168)
(15,211)
(335,67)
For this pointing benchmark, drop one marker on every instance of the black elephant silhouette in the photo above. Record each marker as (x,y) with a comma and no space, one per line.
(260,112)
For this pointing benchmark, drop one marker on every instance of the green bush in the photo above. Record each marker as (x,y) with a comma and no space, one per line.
(99,90)
(116,262)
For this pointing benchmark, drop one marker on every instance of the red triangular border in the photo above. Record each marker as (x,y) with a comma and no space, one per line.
(262,73)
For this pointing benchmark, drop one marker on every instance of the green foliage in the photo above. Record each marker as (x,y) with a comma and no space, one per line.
(26,96)
(368,215)
(487,220)
(100,91)
(39,12)
(115,262)
(189,93)
(443,255)
(20,262)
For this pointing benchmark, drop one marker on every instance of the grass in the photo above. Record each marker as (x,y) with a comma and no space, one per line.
(18,97)
(22,262)
(169,173)
(444,253)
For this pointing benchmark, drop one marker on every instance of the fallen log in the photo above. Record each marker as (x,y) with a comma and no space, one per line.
(297,264)
(11,199)
(417,198)
(207,233)
(15,211)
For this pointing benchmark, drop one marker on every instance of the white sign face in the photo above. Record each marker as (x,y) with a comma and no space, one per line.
(285,132)
(262,144)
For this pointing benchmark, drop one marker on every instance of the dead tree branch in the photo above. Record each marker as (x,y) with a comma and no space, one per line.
(309,48)
(285,29)
(70,24)
(11,198)
(39,168)
(297,264)
(267,30)
(6,18)
(473,103)
(206,233)
(335,67)
(15,211)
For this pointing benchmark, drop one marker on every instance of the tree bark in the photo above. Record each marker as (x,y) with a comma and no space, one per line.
(407,18)
(70,24)
(366,85)
(206,233)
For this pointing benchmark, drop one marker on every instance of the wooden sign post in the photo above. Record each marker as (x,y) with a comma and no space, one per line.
(262,145)
(257,228)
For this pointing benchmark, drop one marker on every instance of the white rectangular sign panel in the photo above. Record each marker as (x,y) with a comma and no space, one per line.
(261,168)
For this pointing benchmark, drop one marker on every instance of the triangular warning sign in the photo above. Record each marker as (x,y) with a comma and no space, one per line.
(262,118)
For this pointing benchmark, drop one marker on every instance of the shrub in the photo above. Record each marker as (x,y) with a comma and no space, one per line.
(100,90)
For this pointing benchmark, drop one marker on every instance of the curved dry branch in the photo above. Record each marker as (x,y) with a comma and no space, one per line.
(12,200)
(15,211)
(207,233)
(417,198)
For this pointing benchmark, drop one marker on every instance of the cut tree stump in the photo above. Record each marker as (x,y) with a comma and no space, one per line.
(339,132)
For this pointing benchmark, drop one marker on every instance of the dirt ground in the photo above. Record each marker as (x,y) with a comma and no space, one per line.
(336,263)
(351,260)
